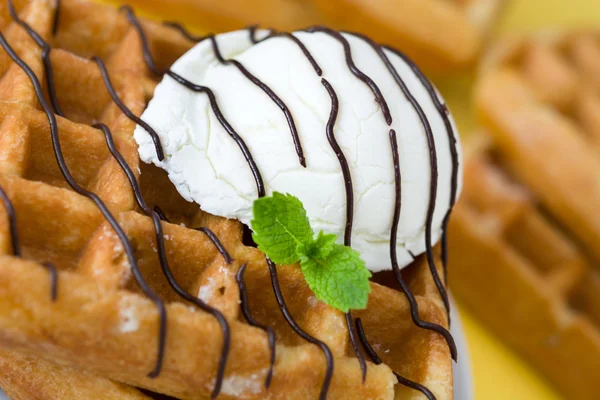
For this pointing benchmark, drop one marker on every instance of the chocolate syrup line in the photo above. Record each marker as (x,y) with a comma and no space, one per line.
(46,49)
(268,91)
(343,164)
(16,248)
(179,27)
(12,222)
(252,78)
(355,71)
(162,252)
(433,188)
(53,280)
(274,34)
(56,18)
(213,238)
(126,110)
(444,113)
(253,322)
(359,74)
(161,244)
(99,203)
(414,306)
(45,55)
(426,125)
(161,214)
(252,34)
(292,323)
(403,381)
(349,208)
(342,160)
(200,89)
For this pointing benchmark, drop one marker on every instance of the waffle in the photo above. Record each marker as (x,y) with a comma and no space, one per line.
(529,220)
(455,30)
(438,34)
(82,307)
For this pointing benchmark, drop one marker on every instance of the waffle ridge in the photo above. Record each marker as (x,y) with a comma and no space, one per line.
(99,321)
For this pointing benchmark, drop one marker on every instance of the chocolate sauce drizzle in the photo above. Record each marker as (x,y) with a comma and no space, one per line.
(99,203)
(253,322)
(355,71)
(16,247)
(445,114)
(127,111)
(290,320)
(45,52)
(252,78)
(343,164)
(181,29)
(274,279)
(276,99)
(403,381)
(397,206)
(157,215)
(414,306)
(12,221)
(349,206)
(200,89)
(273,34)
(160,237)
(56,18)
(388,118)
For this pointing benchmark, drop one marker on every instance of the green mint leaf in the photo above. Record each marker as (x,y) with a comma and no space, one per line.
(340,280)
(280,224)
(317,249)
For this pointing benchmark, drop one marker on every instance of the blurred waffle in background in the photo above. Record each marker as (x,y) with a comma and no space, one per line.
(438,34)
(525,237)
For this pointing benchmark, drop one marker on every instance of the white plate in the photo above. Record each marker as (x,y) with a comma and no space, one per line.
(463,378)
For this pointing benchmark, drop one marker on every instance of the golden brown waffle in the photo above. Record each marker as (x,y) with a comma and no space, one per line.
(525,240)
(437,34)
(27,377)
(100,327)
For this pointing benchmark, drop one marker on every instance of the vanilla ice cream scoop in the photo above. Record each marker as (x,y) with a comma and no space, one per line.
(324,116)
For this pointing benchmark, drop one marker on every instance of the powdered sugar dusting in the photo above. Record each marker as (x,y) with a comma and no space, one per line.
(243,386)
(128,318)
(206,291)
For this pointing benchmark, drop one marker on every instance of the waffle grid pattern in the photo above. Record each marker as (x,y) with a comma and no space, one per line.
(99,321)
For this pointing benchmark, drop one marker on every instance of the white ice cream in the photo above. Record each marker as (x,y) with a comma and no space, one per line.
(207,166)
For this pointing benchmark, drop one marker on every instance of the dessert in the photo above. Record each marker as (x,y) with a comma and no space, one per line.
(529,217)
(129,282)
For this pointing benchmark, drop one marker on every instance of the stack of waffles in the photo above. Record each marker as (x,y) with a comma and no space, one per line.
(526,238)
(81,289)
(440,35)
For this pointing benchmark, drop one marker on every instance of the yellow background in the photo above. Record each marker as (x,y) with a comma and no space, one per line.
(499,374)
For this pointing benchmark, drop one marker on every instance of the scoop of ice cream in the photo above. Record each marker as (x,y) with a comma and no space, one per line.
(208,166)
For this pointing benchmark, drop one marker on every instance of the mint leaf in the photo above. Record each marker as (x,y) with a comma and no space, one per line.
(280,224)
(317,249)
(340,280)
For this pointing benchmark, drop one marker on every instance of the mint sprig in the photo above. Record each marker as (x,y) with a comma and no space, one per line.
(334,272)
